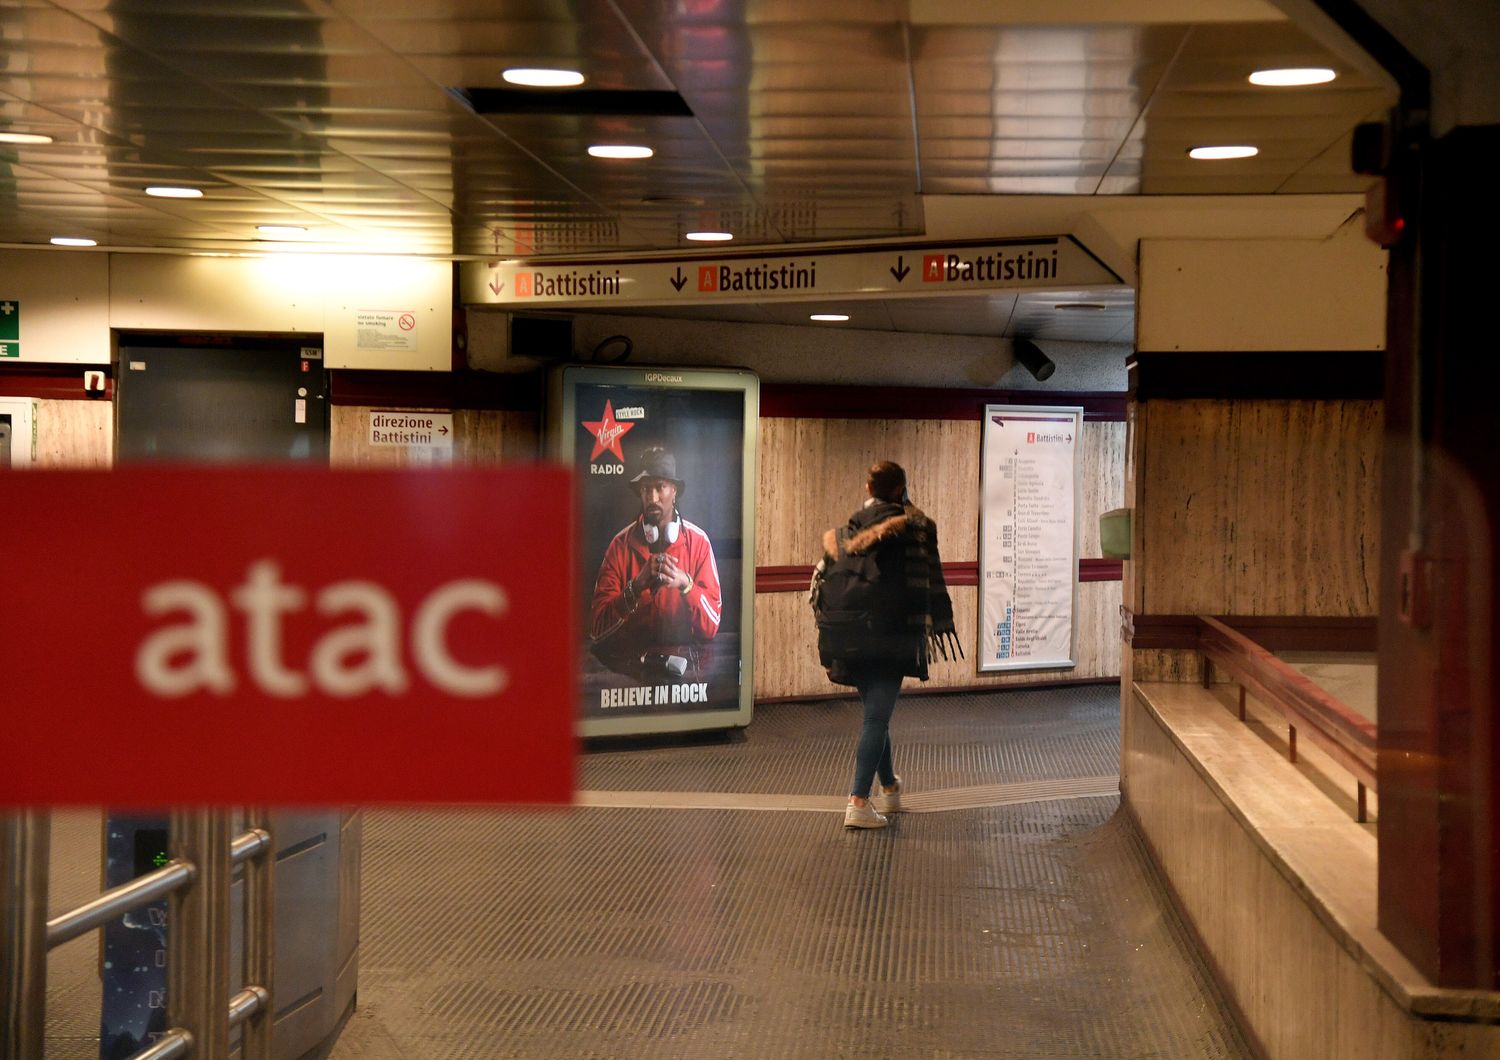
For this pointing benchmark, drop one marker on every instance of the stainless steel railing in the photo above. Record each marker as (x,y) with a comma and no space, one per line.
(195,882)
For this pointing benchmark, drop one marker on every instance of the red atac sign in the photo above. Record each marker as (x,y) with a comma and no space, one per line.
(257,635)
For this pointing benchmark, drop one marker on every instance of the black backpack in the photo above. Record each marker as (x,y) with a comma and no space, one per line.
(857,606)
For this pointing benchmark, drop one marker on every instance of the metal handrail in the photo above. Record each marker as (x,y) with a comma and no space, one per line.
(117,901)
(1347,738)
(173,1044)
(247,845)
(143,890)
(178,1042)
(247,1003)
(26,842)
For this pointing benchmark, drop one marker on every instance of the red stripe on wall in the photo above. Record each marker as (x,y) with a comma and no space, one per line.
(795,401)
(53,382)
(436,390)
(795,578)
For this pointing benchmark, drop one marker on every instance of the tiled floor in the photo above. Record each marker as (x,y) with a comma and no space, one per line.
(1009,929)
(705,901)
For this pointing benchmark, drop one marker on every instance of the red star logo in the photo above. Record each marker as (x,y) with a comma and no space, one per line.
(607,433)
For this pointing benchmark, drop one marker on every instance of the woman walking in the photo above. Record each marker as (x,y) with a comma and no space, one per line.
(882,609)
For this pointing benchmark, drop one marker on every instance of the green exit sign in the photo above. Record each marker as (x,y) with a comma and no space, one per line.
(10,327)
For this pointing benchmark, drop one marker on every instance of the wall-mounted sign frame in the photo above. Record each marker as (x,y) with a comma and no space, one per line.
(1028,537)
(665,606)
(897,271)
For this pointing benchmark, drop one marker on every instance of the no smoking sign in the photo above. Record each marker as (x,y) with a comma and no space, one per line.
(385,329)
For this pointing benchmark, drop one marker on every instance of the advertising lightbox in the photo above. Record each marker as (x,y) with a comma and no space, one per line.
(664,461)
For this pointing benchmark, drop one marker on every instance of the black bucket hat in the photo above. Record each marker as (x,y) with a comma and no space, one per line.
(657,462)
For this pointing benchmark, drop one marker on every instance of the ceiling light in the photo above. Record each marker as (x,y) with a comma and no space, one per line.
(537,77)
(833,317)
(73,241)
(168,191)
(1225,151)
(1079,305)
(1308,75)
(24,138)
(620,151)
(280,231)
(710,237)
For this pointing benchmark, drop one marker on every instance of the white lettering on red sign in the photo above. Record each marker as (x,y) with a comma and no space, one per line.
(354,658)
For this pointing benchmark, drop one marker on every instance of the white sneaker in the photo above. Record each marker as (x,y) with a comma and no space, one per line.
(856,816)
(888,801)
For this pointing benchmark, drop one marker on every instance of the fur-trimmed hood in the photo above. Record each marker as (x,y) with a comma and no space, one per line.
(884,568)
(883,521)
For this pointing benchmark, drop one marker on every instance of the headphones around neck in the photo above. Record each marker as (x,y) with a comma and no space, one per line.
(653,532)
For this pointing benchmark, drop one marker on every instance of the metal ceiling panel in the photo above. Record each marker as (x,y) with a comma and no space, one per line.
(1089,315)
(1008,314)
(811,120)
(1205,98)
(1035,108)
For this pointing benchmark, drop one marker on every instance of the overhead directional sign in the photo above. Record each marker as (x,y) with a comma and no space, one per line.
(913,269)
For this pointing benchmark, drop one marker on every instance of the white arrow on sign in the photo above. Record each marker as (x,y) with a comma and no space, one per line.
(910,270)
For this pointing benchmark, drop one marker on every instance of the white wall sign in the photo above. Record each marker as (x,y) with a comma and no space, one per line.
(385,329)
(1028,537)
(915,269)
(426,436)
(18,423)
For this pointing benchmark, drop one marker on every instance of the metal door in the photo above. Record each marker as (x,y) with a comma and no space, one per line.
(234,400)
(250,401)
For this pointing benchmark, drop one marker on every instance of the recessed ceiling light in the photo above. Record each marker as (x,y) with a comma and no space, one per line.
(539,77)
(280,231)
(620,151)
(710,237)
(24,138)
(1291,76)
(73,241)
(835,318)
(1079,305)
(1225,151)
(169,191)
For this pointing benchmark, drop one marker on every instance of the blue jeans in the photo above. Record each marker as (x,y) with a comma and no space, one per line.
(878,694)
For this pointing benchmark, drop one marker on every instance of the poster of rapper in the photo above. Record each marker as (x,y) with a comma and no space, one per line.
(661,548)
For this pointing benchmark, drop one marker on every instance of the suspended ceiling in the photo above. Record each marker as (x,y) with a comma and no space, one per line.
(811,120)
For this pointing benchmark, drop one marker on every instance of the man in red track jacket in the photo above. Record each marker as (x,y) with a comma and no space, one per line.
(657,591)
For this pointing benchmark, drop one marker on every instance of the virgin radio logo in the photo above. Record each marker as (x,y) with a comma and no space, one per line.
(607,432)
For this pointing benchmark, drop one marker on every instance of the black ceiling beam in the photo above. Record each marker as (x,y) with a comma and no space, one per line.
(601,102)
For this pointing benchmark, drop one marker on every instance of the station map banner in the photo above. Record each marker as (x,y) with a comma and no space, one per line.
(1028,543)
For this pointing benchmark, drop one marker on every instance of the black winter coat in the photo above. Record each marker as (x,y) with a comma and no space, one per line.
(911,614)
